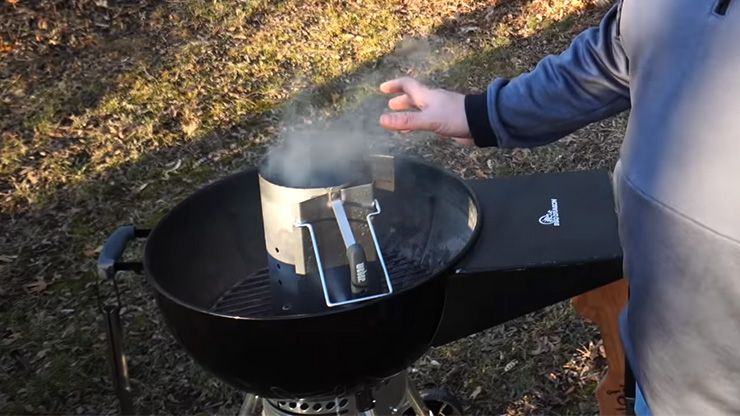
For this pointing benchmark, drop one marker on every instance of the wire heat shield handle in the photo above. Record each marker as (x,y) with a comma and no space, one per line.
(315,247)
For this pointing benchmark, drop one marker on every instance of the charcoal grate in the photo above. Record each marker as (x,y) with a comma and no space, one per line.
(251,296)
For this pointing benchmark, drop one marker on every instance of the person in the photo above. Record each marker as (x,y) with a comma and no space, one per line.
(675,66)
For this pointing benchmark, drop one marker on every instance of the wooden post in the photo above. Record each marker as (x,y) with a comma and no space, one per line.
(602,307)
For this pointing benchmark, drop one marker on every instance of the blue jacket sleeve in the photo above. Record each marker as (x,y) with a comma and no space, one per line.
(586,83)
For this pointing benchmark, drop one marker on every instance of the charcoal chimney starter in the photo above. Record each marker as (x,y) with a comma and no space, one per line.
(321,244)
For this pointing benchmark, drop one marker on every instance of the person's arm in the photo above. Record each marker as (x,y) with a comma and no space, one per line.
(586,83)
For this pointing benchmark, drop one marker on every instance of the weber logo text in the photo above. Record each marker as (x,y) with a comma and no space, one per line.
(553,216)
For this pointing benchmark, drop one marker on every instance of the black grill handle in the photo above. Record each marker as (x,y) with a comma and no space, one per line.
(108,266)
(114,247)
(358,268)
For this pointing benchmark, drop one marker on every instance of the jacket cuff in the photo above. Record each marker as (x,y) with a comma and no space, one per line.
(476,110)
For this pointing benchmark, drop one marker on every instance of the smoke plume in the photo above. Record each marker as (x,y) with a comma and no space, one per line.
(317,142)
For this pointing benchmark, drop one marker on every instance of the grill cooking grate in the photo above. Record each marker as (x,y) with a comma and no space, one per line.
(251,297)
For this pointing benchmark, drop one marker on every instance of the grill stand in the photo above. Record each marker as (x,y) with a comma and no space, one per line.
(250,406)
(394,396)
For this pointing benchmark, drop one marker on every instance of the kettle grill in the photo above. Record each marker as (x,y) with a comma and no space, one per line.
(315,297)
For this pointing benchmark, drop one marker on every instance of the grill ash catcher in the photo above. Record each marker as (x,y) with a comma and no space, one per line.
(314,295)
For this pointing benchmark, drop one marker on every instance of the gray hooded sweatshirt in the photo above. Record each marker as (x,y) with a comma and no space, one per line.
(675,64)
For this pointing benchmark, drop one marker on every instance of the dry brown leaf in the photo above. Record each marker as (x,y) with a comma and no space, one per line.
(541,347)
(7,259)
(14,336)
(41,354)
(140,188)
(93,252)
(174,168)
(520,154)
(12,2)
(38,286)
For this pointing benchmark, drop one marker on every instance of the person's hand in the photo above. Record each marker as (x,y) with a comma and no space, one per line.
(440,111)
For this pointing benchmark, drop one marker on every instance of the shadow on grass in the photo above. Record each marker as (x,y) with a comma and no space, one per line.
(52,348)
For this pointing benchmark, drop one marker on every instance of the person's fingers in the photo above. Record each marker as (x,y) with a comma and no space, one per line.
(405,121)
(392,86)
(404,84)
(400,103)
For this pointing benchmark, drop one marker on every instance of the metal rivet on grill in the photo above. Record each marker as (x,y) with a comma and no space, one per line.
(286,307)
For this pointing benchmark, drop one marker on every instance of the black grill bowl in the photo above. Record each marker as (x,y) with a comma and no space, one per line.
(209,247)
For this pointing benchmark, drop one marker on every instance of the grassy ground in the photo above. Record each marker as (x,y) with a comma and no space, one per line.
(112,111)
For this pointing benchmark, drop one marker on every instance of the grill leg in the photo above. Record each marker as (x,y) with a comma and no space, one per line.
(415,400)
(249,407)
(117,359)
